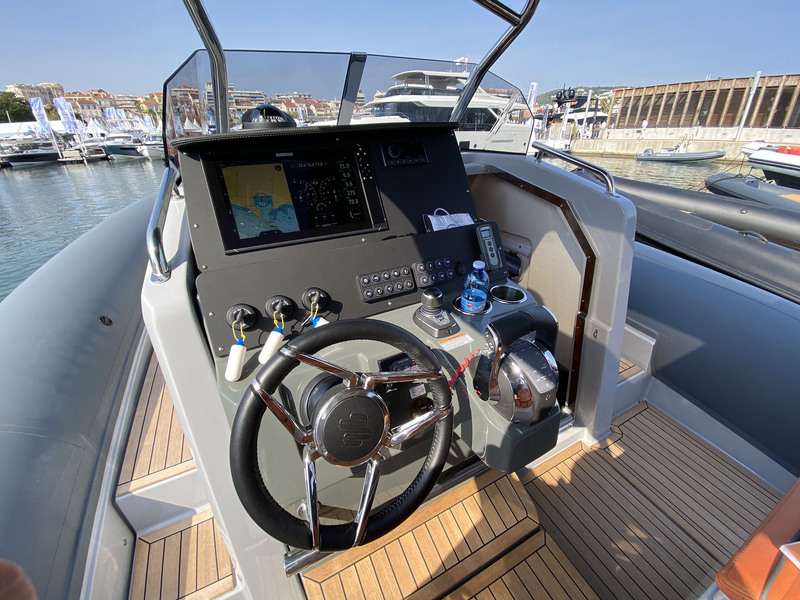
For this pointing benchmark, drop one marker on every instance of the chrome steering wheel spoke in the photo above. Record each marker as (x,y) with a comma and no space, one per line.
(371,478)
(408,430)
(310,454)
(301,434)
(394,377)
(350,378)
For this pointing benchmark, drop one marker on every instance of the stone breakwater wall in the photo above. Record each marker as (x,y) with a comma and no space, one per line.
(630,142)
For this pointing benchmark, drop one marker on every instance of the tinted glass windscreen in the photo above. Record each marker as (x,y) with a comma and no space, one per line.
(306,195)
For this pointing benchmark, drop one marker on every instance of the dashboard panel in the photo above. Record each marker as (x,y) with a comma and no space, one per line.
(273,215)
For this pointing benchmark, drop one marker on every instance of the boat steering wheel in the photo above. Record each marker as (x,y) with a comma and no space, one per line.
(348,428)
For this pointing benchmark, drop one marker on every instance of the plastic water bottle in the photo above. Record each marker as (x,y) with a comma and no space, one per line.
(476,287)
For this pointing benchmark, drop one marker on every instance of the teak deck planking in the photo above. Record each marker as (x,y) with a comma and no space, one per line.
(187,560)
(157,449)
(652,511)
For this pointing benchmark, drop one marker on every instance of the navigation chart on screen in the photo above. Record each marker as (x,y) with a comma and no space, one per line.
(260,199)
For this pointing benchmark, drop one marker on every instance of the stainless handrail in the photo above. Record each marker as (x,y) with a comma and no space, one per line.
(518,21)
(604,175)
(219,69)
(159,265)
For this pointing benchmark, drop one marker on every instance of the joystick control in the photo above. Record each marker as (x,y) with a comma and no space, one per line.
(431,317)
(431,301)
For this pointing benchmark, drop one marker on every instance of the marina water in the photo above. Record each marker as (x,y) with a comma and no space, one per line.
(43,209)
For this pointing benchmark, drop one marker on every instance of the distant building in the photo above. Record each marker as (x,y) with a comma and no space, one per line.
(127,102)
(45,91)
(84,105)
(713,103)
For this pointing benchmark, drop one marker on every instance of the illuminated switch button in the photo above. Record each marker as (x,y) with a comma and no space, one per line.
(386,275)
(421,267)
(376,277)
(405,271)
(447,261)
(389,289)
(398,287)
(379,291)
(424,280)
(438,263)
(450,273)
(396,273)
(433,277)
(430,265)
(441,276)
(368,294)
(364,279)
(409,284)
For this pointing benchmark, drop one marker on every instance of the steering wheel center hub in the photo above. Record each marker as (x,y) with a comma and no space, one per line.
(350,427)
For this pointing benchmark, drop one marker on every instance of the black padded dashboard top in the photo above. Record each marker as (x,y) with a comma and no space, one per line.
(336,208)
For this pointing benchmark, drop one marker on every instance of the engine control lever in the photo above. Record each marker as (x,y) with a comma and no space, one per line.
(432,318)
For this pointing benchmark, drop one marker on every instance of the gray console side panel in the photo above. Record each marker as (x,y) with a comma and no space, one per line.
(721,343)
(609,224)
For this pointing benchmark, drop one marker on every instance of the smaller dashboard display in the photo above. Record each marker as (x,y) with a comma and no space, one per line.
(290,197)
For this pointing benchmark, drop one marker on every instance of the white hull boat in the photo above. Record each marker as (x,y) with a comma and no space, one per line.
(780,164)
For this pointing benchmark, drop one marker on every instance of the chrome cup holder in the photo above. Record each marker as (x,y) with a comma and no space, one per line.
(457,306)
(507,294)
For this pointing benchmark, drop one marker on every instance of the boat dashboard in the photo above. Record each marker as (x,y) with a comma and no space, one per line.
(333,259)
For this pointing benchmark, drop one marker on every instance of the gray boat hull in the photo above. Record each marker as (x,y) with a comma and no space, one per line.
(683,157)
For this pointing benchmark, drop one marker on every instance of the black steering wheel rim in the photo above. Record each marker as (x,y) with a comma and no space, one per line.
(247,477)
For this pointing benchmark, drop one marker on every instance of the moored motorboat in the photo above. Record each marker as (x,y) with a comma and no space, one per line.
(331,394)
(779,163)
(118,145)
(152,146)
(677,155)
(31,158)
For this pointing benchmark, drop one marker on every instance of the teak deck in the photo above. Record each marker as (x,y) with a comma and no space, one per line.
(652,511)
(157,449)
(188,560)
(439,550)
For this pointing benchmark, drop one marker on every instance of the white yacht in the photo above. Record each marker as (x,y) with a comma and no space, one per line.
(262,383)
(118,145)
(152,146)
(492,120)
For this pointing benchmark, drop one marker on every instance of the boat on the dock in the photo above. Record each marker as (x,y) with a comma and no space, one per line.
(748,187)
(276,392)
(118,145)
(152,146)
(780,163)
(28,153)
(680,154)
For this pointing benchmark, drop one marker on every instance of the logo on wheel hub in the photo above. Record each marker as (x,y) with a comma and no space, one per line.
(355,430)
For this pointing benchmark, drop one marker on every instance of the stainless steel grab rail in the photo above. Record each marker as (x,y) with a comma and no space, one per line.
(604,175)
(159,265)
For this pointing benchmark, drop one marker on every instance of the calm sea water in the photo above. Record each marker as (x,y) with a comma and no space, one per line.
(43,209)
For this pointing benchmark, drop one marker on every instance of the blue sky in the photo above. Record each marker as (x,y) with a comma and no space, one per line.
(131,47)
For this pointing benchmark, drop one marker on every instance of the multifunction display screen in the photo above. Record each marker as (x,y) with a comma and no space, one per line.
(291,196)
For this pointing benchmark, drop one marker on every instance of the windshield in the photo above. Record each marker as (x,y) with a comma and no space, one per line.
(309,86)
